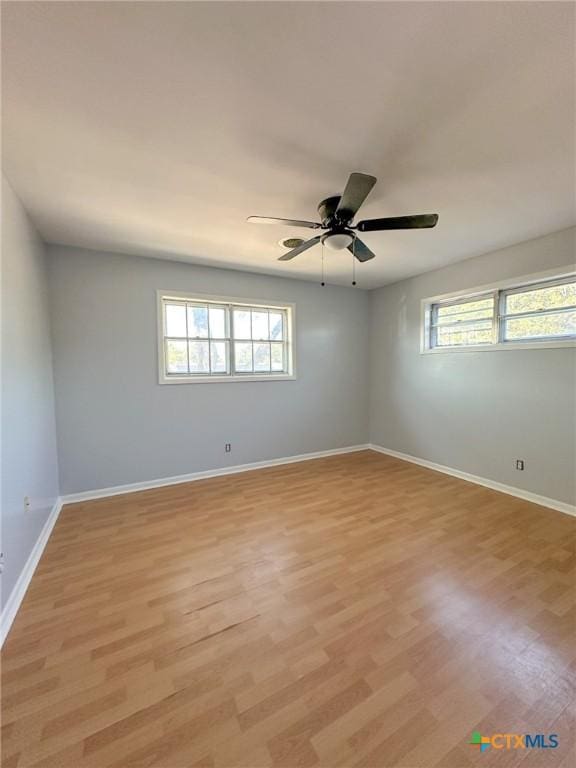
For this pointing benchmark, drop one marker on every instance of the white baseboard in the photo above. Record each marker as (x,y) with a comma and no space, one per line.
(117,490)
(19,590)
(544,501)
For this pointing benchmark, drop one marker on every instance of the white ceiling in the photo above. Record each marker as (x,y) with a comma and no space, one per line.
(157,128)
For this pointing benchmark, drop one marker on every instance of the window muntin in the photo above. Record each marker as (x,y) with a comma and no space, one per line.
(538,312)
(208,339)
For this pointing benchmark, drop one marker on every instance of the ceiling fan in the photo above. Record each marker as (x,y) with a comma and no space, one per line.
(336,216)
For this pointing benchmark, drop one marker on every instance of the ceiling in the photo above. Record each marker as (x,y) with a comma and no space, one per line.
(157,128)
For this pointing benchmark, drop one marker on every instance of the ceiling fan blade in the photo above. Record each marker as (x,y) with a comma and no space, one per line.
(360,250)
(356,191)
(300,249)
(419,221)
(287,222)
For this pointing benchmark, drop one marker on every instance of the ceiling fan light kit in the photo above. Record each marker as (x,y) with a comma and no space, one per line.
(337,241)
(336,216)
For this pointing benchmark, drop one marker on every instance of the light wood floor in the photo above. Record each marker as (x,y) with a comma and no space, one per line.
(349,611)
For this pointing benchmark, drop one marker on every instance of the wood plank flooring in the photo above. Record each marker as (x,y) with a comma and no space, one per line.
(349,611)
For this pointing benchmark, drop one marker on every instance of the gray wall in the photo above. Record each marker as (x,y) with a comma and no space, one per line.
(29,465)
(476,411)
(117,425)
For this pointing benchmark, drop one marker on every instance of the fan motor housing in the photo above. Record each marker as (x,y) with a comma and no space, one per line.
(327,209)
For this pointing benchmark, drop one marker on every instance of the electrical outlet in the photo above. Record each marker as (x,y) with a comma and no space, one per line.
(228,447)
(26,503)
(520,464)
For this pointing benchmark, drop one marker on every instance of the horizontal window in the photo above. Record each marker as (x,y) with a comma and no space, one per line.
(208,340)
(535,313)
(539,312)
(463,323)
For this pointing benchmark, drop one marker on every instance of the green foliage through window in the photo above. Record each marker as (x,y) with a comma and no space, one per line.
(542,312)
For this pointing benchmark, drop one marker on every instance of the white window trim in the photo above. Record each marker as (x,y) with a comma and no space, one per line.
(523,282)
(288,307)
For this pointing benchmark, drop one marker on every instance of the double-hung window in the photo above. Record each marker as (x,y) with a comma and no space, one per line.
(206,339)
(532,314)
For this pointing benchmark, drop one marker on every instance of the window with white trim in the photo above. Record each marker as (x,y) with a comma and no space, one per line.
(224,340)
(531,314)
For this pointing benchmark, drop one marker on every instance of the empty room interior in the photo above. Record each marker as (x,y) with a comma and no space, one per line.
(288,390)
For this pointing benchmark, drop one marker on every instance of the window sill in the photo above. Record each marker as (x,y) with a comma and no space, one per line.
(224,379)
(502,346)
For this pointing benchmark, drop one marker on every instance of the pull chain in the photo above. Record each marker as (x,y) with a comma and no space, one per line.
(323,269)
(354,262)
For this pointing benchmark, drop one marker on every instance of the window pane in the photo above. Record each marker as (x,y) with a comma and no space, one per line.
(242,324)
(553,297)
(276,326)
(218,357)
(260,325)
(243,356)
(452,336)
(538,326)
(176,320)
(198,356)
(262,357)
(463,313)
(176,357)
(277,357)
(464,324)
(199,360)
(197,322)
(217,323)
